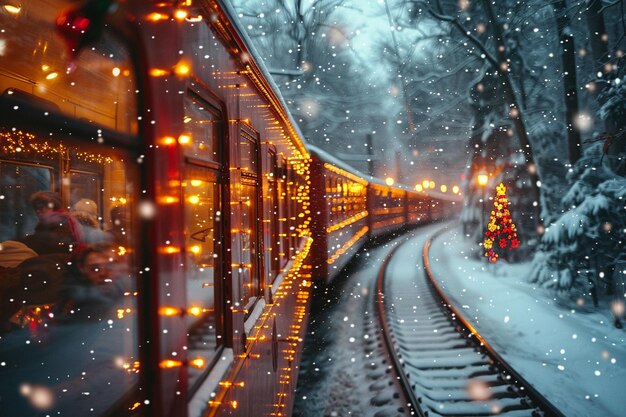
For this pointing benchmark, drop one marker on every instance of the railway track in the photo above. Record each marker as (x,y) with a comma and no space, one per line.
(445,367)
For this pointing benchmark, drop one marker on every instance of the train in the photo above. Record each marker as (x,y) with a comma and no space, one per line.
(162,219)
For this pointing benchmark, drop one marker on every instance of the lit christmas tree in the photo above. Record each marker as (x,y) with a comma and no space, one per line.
(501,232)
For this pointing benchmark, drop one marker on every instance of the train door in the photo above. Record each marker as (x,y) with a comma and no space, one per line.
(204,235)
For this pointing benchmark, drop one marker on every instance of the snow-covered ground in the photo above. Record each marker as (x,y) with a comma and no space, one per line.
(575,357)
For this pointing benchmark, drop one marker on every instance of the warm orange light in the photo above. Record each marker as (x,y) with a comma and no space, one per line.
(194,199)
(169,311)
(155,17)
(431,184)
(425,184)
(196,183)
(52,76)
(389,181)
(158,72)
(197,363)
(195,311)
(195,249)
(182,69)
(419,188)
(168,199)
(116,71)
(12,9)
(482,179)
(456,189)
(170,250)
(168,140)
(170,363)
(180,14)
(184,139)
(443,188)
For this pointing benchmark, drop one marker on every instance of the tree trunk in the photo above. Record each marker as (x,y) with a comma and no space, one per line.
(568,59)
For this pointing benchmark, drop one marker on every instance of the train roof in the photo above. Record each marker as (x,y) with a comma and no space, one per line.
(327,157)
(245,43)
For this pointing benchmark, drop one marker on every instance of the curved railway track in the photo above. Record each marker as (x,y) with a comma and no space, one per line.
(445,367)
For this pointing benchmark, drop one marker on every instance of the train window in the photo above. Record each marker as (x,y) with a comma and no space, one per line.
(247,232)
(248,150)
(34,60)
(203,257)
(69,299)
(248,266)
(270,215)
(17,183)
(68,253)
(203,123)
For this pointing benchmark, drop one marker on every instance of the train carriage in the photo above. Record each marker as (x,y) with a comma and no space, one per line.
(158,116)
(339,206)
(387,207)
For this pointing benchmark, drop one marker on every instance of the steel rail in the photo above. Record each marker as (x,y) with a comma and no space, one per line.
(410,395)
(517,380)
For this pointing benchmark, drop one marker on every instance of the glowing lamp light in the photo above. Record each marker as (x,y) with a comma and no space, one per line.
(195,311)
(116,71)
(180,14)
(419,188)
(169,311)
(155,17)
(195,249)
(12,8)
(443,188)
(158,72)
(197,363)
(431,184)
(182,69)
(168,140)
(425,184)
(482,179)
(456,189)
(170,363)
(184,139)
(389,181)
(194,199)
(52,76)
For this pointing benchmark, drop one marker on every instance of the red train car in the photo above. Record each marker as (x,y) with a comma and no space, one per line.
(154,214)
(340,214)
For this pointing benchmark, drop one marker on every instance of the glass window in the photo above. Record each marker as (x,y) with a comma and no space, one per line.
(34,61)
(68,310)
(203,124)
(248,267)
(17,183)
(248,154)
(203,253)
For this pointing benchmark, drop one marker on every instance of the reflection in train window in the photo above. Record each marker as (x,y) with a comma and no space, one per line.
(202,124)
(69,301)
(203,257)
(17,183)
(68,310)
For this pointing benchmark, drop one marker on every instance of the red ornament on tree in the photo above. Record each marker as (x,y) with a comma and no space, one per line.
(501,232)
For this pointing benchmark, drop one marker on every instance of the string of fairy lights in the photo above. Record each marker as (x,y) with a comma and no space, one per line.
(26,145)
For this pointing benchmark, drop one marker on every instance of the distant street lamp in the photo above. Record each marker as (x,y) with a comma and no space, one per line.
(389,181)
(482,181)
